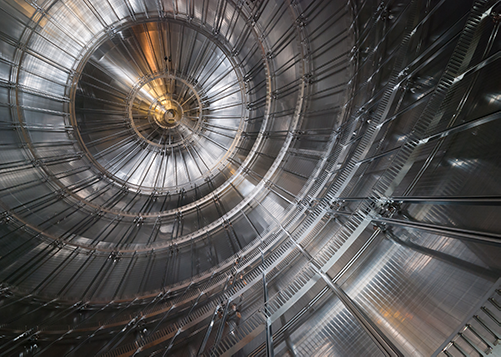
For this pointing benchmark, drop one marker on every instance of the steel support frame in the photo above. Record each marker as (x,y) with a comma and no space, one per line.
(269,334)
(381,340)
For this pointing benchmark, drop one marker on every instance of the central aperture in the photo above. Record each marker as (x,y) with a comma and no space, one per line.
(173,112)
(172,118)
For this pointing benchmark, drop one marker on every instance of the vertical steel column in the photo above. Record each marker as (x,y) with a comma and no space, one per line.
(269,334)
(220,331)
(287,337)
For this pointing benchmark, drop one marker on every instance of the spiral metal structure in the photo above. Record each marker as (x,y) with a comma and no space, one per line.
(250,177)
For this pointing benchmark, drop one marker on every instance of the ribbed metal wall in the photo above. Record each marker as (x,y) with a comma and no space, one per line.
(212,177)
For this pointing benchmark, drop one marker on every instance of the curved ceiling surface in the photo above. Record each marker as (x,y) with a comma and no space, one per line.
(233,177)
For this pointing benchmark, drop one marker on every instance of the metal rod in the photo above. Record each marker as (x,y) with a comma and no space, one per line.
(220,330)
(460,263)
(481,237)
(269,335)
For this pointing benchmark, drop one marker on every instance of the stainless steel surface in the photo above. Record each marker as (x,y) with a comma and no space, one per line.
(250,178)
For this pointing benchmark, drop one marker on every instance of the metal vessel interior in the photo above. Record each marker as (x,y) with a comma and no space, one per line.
(250,177)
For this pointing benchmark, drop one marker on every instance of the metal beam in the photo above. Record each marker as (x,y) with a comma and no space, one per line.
(436,200)
(460,263)
(384,344)
(220,330)
(467,234)
(209,330)
(269,334)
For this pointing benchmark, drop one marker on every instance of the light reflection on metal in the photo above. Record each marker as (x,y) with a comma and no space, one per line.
(152,151)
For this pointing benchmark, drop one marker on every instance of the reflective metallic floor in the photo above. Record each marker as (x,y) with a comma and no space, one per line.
(250,178)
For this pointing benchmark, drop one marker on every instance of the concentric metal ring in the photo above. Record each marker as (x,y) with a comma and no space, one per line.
(182,123)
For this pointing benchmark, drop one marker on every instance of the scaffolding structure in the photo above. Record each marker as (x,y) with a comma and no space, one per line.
(250,178)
